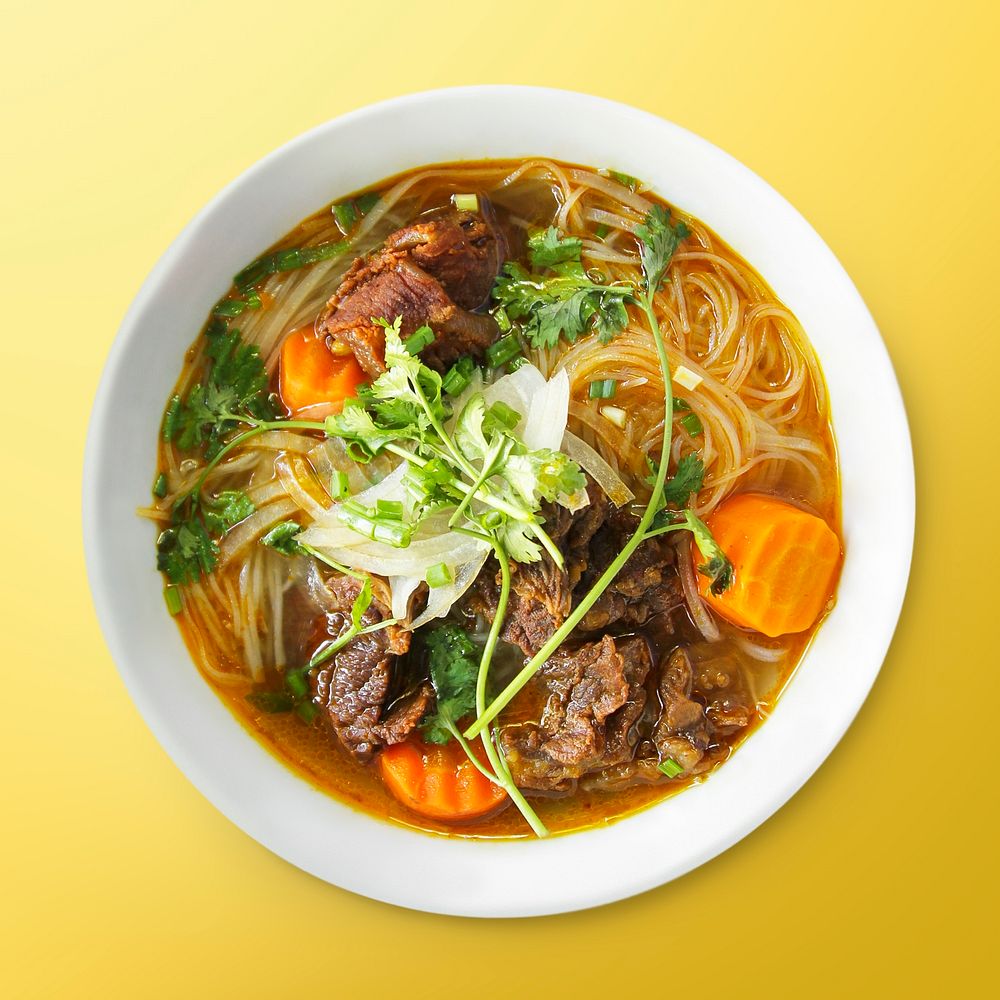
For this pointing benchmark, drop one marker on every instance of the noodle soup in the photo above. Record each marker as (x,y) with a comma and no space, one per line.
(426,428)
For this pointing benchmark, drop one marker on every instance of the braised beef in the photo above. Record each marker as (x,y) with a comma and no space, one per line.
(592,697)
(646,586)
(355,685)
(433,272)
(721,683)
(683,732)
(541,593)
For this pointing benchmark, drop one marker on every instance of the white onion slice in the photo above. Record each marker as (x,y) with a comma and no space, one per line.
(289,469)
(699,613)
(441,599)
(402,588)
(602,473)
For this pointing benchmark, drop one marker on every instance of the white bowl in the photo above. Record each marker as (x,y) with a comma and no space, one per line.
(376,858)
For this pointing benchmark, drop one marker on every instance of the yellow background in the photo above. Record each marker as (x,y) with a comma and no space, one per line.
(877,120)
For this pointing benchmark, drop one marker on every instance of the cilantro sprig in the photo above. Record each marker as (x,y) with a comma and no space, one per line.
(233,390)
(565,302)
(658,240)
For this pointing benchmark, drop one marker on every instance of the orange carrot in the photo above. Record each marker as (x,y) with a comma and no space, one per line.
(310,375)
(785,564)
(439,781)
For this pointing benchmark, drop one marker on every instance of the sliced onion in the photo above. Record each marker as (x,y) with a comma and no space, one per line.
(299,443)
(292,474)
(249,530)
(699,613)
(403,588)
(544,405)
(402,562)
(602,473)
(441,599)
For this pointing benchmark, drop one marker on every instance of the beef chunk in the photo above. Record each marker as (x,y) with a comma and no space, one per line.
(433,273)
(683,731)
(355,685)
(406,713)
(646,586)
(541,593)
(721,684)
(592,697)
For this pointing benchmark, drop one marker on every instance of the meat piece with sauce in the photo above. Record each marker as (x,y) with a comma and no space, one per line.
(355,687)
(435,272)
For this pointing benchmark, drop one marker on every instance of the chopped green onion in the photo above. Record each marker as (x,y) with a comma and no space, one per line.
(500,413)
(393,533)
(418,340)
(670,768)
(295,681)
(338,485)
(271,701)
(627,180)
(691,423)
(502,351)
(379,528)
(389,508)
(459,376)
(346,215)
(604,389)
(438,575)
(170,419)
(519,362)
(253,299)
(172,597)
(229,307)
(366,202)
(616,415)
(502,319)
(306,711)
(160,486)
(466,202)
(286,260)
(601,231)
(681,405)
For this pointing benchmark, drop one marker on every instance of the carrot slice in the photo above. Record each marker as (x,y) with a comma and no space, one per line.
(438,781)
(785,564)
(310,375)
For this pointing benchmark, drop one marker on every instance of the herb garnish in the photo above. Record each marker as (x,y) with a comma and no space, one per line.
(565,302)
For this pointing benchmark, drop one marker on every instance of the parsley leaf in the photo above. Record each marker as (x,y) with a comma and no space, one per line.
(234,386)
(454,666)
(658,241)
(543,475)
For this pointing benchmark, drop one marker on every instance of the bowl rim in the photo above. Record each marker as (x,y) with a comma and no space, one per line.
(505,878)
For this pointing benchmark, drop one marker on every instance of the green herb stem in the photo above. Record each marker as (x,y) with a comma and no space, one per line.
(485,717)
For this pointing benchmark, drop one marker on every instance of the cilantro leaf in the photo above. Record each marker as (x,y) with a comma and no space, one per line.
(519,544)
(547,248)
(282,538)
(188,548)
(543,475)
(686,480)
(227,509)
(717,566)
(566,303)
(658,241)
(234,386)
(453,664)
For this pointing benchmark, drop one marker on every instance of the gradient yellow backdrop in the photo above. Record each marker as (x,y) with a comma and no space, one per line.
(877,120)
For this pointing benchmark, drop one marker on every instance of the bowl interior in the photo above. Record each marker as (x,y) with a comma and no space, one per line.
(378,859)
